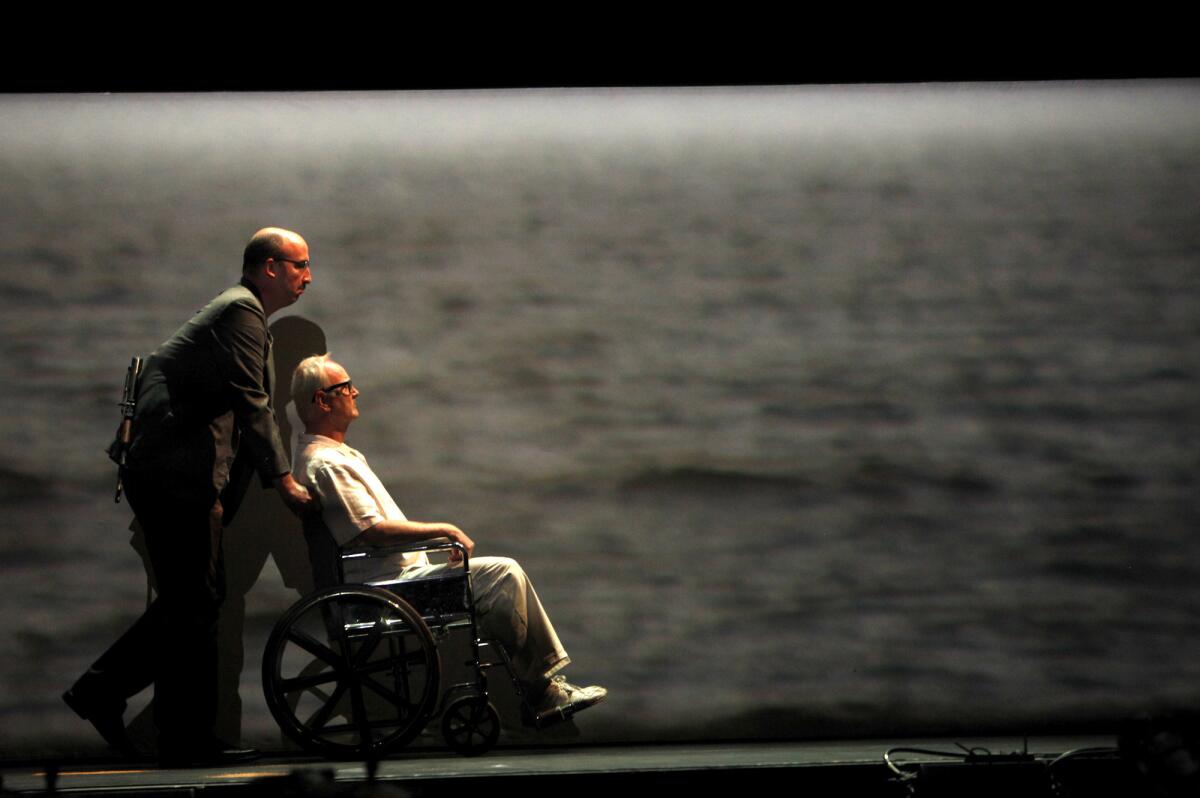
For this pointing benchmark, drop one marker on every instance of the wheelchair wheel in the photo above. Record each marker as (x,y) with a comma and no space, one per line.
(471,725)
(351,671)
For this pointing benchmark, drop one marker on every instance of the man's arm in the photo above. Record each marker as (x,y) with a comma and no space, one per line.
(351,506)
(241,336)
(297,497)
(386,532)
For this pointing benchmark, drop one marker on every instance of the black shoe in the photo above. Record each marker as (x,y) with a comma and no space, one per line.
(106,717)
(214,752)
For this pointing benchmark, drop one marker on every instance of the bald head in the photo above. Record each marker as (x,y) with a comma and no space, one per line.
(276,263)
(269,242)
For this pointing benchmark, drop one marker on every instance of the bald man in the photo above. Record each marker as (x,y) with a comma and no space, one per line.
(203,426)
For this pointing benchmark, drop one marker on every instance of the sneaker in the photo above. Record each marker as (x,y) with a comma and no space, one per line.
(563,699)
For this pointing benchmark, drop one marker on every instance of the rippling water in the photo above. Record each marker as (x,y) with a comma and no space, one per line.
(810,411)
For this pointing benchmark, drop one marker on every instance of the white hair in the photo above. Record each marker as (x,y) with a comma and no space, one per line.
(307,379)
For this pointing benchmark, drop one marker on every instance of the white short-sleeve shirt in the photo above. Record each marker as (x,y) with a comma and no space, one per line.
(352,498)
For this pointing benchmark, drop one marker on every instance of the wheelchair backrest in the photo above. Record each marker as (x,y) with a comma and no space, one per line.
(323,553)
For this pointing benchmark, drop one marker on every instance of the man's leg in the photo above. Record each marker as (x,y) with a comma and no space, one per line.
(127,667)
(121,672)
(508,609)
(183,537)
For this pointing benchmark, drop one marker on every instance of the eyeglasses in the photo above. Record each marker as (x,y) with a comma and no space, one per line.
(344,388)
(300,264)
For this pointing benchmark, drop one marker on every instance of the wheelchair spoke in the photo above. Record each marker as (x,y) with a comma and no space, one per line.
(361,721)
(470,725)
(464,736)
(461,728)
(322,715)
(351,671)
(367,648)
(307,682)
(408,660)
(313,646)
(392,696)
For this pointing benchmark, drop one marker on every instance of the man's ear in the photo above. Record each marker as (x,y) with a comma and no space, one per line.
(269,267)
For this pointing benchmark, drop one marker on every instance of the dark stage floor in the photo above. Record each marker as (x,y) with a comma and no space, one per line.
(854,765)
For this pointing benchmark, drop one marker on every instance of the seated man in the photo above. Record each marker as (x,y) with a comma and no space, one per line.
(358,510)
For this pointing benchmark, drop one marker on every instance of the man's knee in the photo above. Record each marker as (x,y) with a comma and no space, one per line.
(497,566)
(498,580)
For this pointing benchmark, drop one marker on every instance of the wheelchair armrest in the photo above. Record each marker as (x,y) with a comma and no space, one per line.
(429,544)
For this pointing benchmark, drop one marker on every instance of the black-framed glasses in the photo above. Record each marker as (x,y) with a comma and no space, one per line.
(344,388)
(300,264)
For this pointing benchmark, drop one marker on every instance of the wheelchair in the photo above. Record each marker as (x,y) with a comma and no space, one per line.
(354,671)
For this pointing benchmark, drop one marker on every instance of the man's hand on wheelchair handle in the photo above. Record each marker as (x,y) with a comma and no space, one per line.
(297,497)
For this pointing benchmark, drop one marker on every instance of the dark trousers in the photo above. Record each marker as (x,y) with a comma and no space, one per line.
(174,644)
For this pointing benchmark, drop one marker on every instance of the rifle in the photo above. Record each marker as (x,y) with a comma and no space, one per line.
(125,432)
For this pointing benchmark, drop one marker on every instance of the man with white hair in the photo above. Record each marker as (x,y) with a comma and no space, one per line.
(358,509)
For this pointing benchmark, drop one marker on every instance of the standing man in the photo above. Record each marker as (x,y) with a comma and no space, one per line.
(202,427)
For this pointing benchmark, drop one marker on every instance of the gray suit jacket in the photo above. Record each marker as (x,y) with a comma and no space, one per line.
(204,418)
